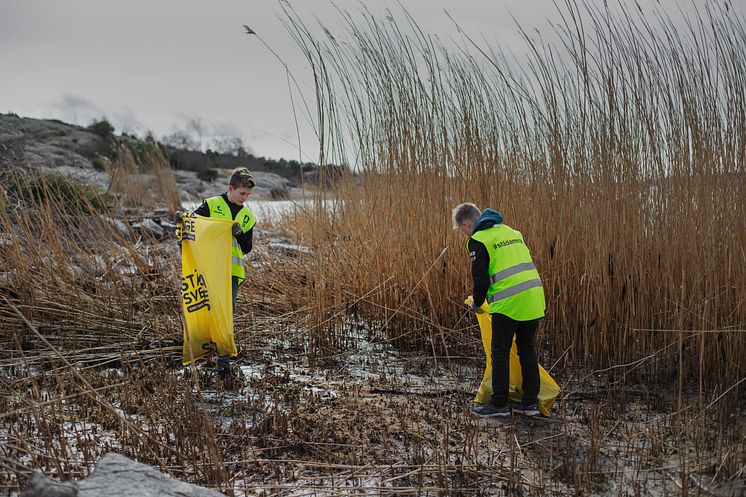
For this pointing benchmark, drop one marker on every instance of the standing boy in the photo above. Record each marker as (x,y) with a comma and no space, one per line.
(229,205)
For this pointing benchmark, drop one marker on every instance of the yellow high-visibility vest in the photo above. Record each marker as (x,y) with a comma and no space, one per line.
(515,287)
(245,218)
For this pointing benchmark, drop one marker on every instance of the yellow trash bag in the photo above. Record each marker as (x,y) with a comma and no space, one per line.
(548,390)
(206,293)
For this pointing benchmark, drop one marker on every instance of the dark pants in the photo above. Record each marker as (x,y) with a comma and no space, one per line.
(503,329)
(234,287)
(224,361)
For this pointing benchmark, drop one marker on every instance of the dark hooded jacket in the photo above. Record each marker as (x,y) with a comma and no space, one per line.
(480,258)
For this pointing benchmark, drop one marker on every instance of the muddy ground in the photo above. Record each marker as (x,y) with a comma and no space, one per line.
(384,422)
(360,418)
(371,420)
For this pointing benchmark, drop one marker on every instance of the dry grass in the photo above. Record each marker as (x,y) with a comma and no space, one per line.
(91,349)
(619,154)
(624,172)
(147,181)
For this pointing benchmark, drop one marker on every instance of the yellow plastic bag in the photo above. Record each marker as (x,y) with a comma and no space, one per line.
(548,390)
(206,292)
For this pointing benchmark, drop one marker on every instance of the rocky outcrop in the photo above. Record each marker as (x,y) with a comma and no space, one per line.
(46,143)
(117,476)
(52,143)
(55,147)
(193,189)
(149,227)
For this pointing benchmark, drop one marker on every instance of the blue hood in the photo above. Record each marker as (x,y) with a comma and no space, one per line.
(488,219)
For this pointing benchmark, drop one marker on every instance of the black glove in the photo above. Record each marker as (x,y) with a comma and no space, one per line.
(178,217)
(237,231)
(477,309)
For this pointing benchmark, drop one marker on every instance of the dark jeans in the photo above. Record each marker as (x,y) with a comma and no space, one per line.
(503,329)
(234,287)
(224,361)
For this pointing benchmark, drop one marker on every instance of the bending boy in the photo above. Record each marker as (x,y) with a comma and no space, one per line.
(504,274)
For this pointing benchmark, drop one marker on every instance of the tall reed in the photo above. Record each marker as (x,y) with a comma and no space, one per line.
(143,179)
(618,152)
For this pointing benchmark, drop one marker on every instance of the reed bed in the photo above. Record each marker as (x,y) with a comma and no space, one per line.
(622,166)
(91,346)
(618,152)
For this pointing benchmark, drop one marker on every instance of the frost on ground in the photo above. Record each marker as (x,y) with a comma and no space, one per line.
(370,420)
(380,421)
(365,416)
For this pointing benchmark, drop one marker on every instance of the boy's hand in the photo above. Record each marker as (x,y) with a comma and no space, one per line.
(178,217)
(237,229)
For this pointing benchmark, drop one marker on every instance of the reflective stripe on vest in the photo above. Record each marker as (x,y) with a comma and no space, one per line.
(235,259)
(513,290)
(526,266)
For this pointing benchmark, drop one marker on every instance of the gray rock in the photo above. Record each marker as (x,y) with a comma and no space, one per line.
(92,264)
(54,133)
(119,225)
(78,272)
(149,227)
(117,476)
(167,225)
(69,149)
(45,155)
(193,189)
(126,269)
(271,185)
(7,239)
(52,146)
(81,174)
(47,144)
(39,486)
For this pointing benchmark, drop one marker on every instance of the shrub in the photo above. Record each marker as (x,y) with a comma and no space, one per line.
(59,188)
(102,128)
(99,163)
(207,174)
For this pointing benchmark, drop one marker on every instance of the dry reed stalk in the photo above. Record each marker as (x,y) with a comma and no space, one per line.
(145,179)
(126,182)
(612,235)
(167,193)
(617,154)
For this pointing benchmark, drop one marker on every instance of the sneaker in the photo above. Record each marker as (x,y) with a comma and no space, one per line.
(224,366)
(490,410)
(527,409)
(224,372)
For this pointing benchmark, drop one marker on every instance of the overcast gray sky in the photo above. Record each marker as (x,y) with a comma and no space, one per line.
(157,64)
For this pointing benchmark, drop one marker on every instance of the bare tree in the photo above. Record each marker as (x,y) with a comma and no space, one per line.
(180,139)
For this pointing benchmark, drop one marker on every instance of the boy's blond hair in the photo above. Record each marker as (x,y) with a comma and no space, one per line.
(242,178)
